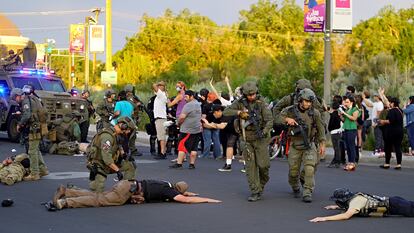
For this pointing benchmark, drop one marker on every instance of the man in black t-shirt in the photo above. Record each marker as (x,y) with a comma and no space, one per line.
(226,125)
(124,192)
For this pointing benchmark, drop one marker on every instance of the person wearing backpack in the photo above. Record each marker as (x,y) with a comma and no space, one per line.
(33,119)
(106,156)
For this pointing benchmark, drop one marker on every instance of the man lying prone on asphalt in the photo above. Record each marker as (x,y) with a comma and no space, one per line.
(126,192)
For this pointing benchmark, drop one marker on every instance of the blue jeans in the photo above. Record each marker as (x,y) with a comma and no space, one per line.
(349,138)
(400,206)
(211,135)
(410,132)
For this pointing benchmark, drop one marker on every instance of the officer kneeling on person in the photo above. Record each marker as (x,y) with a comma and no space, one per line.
(124,192)
(105,154)
(305,129)
(366,205)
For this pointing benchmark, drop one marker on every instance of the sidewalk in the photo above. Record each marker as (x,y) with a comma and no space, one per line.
(365,159)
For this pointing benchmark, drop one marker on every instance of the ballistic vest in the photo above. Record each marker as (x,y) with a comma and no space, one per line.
(375,206)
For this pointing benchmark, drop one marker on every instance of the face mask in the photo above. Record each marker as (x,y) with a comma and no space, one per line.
(178,88)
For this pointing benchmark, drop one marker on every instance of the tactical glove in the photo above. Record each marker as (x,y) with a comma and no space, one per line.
(244,115)
(119,175)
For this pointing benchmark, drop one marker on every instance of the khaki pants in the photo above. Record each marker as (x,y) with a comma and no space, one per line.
(98,185)
(118,195)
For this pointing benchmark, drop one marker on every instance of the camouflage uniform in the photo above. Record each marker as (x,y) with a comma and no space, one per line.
(300,153)
(108,147)
(31,119)
(254,145)
(105,111)
(136,103)
(14,172)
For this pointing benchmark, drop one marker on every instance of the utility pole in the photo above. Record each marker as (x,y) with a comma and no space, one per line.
(108,31)
(327,60)
(87,52)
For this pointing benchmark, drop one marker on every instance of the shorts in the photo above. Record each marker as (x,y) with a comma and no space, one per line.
(188,142)
(231,139)
(160,128)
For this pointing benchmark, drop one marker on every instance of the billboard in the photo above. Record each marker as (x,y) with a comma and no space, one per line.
(342,16)
(77,38)
(314,11)
(96,38)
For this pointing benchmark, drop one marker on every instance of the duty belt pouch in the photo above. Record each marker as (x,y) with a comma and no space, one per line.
(300,145)
(52,135)
(43,129)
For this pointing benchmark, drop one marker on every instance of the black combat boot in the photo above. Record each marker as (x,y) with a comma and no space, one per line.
(254,197)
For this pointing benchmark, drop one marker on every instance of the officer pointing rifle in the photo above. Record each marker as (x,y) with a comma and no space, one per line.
(305,129)
(258,122)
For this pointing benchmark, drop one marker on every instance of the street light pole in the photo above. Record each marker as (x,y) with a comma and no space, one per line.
(108,31)
(327,59)
(97,11)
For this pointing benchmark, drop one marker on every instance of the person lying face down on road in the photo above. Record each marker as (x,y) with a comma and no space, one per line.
(366,205)
(126,192)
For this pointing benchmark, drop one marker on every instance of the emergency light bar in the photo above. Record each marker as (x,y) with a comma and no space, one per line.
(34,71)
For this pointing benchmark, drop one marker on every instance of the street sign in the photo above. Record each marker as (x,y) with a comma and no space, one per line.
(109,77)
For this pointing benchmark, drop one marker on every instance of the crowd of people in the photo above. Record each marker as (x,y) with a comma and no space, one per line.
(223,125)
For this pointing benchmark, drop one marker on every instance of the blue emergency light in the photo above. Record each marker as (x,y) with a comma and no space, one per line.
(34,71)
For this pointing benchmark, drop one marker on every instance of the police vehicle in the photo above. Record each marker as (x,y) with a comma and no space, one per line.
(48,86)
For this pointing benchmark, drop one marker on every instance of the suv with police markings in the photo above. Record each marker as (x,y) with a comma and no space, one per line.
(47,86)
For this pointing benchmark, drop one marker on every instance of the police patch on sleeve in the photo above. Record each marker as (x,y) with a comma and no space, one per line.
(106,146)
(26,106)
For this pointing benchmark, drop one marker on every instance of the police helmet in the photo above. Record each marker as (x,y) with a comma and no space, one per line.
(302,84)
(126,123)
(129,88)
(109,93)
(28,89)
(306,94)
(249,88)
(342,195)
(15,92)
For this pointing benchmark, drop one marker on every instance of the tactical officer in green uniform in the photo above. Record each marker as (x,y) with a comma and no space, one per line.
(68,134)
(105,110)
(34,118)
(366,205)
(305,129)
(138,105)
(84,125)
(255,124)
(291,99)
(105,154)
(13,169)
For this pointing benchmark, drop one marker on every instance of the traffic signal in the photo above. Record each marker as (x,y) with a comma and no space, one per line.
(72,71)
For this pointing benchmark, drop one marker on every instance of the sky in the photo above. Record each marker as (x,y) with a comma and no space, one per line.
(126,14)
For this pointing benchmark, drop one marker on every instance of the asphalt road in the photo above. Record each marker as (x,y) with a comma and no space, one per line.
(278,211)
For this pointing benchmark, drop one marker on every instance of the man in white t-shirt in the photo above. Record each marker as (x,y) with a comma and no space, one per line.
(160,115)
